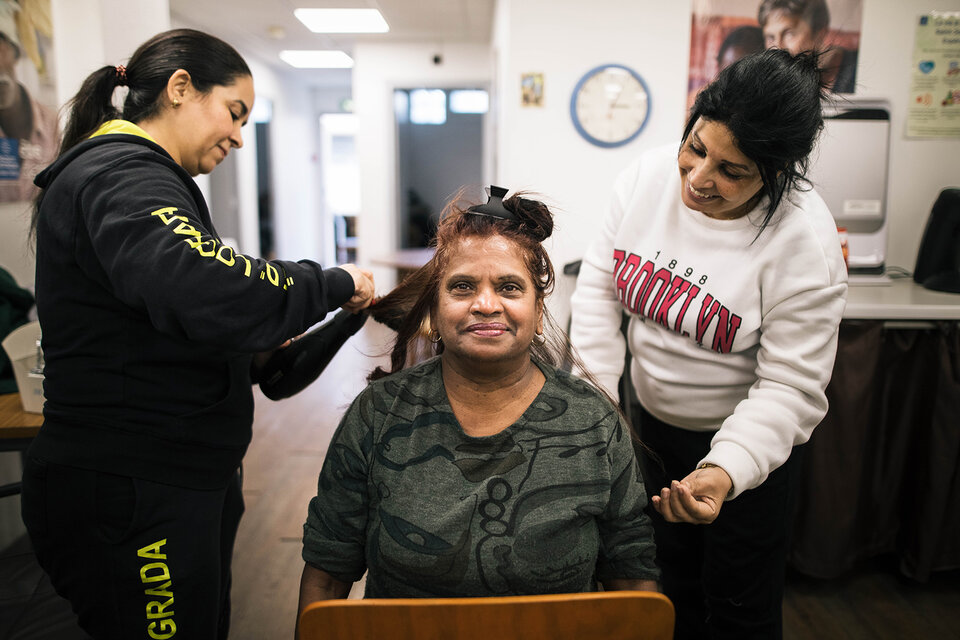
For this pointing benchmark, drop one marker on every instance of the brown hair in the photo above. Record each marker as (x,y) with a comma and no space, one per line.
(407,308)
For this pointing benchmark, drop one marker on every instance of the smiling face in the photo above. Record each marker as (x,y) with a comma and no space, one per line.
(487,308)
(716,179)
(785,30)
(209,124)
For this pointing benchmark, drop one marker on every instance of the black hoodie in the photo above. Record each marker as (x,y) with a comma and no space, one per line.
(149,320)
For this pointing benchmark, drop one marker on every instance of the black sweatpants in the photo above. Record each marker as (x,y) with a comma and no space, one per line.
(136,559)
(725,578)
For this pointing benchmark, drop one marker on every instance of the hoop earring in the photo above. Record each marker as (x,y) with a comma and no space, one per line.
(435,337)
(539,339)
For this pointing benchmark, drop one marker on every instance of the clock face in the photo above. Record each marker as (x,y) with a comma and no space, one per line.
(610,105)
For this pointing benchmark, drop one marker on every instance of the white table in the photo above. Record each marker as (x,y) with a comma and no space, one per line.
(900,299)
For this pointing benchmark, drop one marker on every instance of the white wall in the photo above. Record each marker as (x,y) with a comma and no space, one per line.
(329,99)
(378,70)
(91,33)
(538,149)
(918,169)
(294,140)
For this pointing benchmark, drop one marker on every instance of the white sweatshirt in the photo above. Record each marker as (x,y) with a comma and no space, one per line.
(726,333)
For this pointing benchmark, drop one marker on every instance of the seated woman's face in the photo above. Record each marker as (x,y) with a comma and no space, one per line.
(487,308)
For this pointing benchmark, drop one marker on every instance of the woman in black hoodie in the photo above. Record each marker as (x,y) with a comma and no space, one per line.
(131,490)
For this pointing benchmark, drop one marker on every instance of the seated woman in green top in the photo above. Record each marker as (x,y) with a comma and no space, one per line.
(485,471)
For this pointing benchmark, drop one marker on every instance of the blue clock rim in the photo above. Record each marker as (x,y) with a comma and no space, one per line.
(573,106)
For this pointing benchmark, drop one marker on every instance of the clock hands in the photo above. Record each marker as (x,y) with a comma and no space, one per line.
(615,101)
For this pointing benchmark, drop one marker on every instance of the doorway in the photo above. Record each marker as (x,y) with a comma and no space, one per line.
(341,185)
(440,150)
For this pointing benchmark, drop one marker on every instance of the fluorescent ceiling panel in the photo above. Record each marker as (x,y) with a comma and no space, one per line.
(317,59)
(342,20)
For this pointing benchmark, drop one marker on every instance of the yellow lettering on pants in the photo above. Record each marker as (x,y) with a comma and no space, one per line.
(152,551)
(157,609)
(163,591)
(167,629)
(161,607)
(156,577)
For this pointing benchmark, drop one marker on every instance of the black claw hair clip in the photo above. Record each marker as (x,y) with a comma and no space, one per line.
(493,207)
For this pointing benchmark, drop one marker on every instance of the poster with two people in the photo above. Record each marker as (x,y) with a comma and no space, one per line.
(724,31)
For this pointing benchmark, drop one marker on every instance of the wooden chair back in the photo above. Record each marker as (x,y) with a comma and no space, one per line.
(610,615)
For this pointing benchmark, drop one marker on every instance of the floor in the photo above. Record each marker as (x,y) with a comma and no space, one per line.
(280,473)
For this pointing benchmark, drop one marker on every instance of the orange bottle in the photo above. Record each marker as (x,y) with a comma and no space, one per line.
(842,231)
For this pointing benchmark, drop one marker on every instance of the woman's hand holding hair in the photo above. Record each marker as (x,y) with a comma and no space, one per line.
(696,499)
(363,289)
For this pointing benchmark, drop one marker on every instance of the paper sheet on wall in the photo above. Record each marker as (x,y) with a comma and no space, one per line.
(934,109)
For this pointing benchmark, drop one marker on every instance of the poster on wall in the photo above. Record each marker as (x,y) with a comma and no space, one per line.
(723,31)
(934,110)
(29,131)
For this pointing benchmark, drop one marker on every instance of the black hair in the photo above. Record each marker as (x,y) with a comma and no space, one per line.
(210,62)
(747,37)
(814,12)
(771,103)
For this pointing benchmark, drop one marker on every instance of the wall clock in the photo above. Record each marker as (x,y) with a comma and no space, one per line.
(610,105)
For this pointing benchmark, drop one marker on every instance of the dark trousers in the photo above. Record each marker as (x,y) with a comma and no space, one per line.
(725,578)
(136,559)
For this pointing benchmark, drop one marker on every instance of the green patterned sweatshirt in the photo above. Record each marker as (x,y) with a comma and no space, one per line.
(551,504)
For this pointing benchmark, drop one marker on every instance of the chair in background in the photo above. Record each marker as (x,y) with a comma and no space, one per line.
(609,615)
(938,260)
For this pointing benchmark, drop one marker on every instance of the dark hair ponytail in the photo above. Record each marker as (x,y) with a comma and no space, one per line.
(91,107)
(209,60)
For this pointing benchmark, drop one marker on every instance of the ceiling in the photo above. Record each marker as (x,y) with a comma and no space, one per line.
(262,28)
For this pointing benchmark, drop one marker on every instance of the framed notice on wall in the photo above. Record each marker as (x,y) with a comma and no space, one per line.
(934,110)
(531,90)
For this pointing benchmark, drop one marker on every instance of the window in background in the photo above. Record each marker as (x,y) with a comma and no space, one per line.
(428,106)
(469,101)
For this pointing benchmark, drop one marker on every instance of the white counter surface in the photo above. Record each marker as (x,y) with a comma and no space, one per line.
(900,299)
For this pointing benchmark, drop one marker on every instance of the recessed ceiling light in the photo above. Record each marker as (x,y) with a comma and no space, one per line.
(342,20)
(317,59)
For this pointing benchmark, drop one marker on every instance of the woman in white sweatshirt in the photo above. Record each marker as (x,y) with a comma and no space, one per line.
(728,266)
